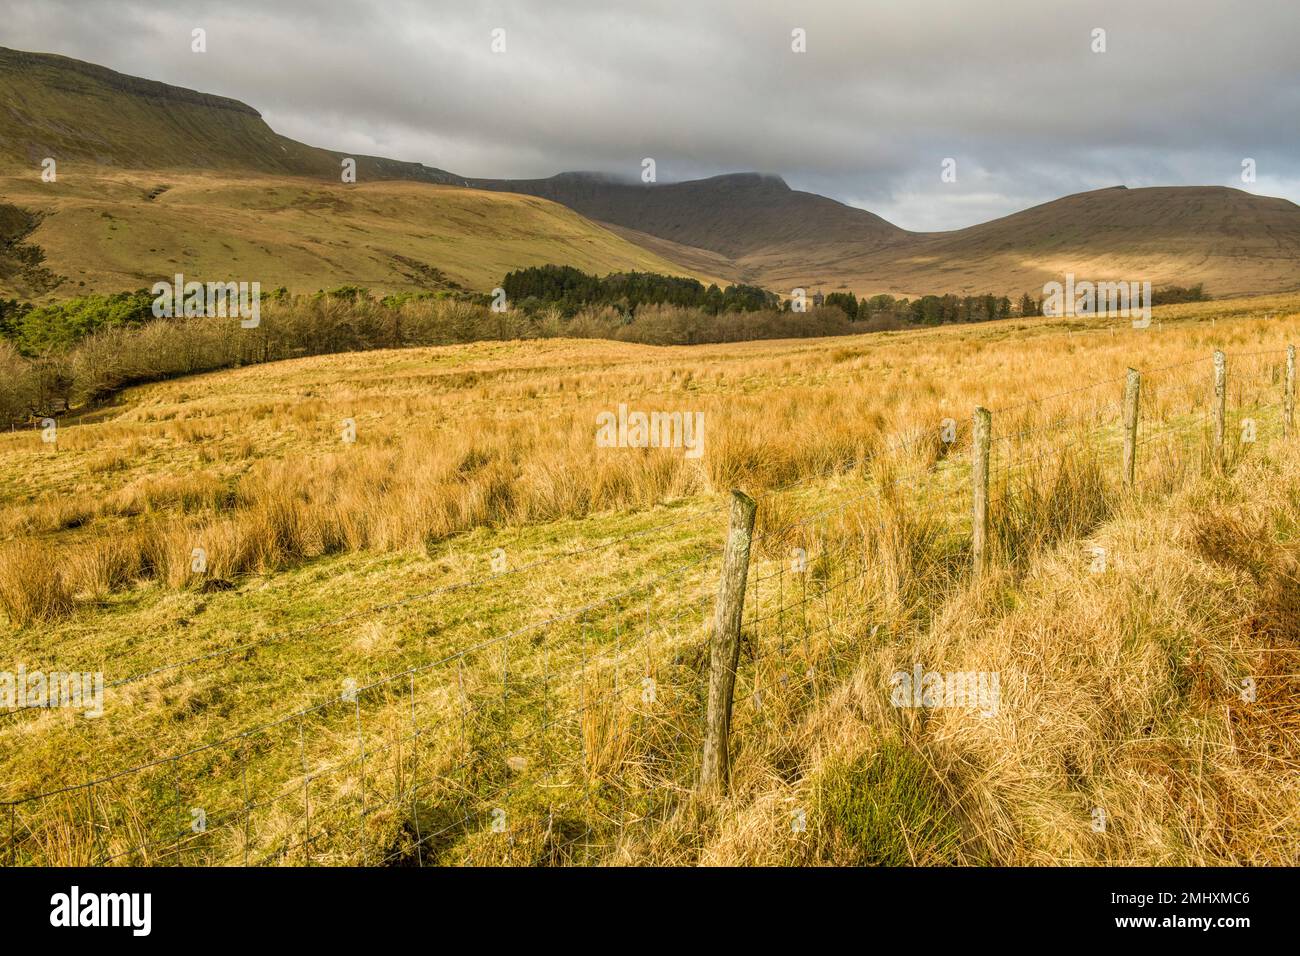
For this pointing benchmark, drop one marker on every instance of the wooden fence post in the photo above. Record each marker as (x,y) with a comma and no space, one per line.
(724,653)
(1220,403)
(1288,399)
(980,487)
(1132,393)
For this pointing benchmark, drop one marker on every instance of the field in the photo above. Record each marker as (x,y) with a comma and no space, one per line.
(473,636)
(110,230)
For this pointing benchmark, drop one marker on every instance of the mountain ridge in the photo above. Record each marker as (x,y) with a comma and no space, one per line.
(762,210)
(743,226)
(147,124)
(1233,240)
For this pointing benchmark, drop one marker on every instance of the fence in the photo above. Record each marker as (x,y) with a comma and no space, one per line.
(567,739)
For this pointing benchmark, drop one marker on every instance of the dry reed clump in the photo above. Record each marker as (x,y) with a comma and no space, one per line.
(1036,507)
(607,730)
(50,513)
(105,565)
(33,586)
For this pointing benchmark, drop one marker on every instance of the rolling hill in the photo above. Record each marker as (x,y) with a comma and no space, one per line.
(1232,241)
(756,228)
(102,231)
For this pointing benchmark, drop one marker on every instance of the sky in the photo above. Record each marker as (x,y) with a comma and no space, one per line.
(1015,92)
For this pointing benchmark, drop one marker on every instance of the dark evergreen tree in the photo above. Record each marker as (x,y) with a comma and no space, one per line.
(847,302)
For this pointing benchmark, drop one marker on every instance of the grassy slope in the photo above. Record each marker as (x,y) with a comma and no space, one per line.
(1123,706)
(77,112)
(102,232)
(703,261)
(1233,242)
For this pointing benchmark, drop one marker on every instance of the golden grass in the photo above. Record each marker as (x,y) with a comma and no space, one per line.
(33,586)
(251,466)
(1120,691)
(300,233)
(1120,688)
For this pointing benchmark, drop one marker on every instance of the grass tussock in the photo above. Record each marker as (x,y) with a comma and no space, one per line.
(33,586)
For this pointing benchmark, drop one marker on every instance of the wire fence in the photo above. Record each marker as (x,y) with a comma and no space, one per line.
(566,739)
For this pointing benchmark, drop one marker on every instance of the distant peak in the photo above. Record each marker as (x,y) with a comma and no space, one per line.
(747,179)
(579,175)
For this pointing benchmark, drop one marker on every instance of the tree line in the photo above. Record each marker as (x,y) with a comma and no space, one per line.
(944,309)
(925,310)
(81,351)
(570,289)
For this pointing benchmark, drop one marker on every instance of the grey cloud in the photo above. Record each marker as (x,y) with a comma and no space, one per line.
(886,90)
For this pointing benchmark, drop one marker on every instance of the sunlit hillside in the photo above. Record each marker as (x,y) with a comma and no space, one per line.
(105,231)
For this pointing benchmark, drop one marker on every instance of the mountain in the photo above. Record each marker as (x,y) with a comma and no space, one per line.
(73,111)
(1232,241)
(136,154)
(756,228)
(155,179)
(736,215)
(95,233)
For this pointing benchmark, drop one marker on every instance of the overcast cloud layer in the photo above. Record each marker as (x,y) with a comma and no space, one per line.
(886,90)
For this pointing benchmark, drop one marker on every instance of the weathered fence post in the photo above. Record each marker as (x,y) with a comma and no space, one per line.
(1220,403)
(980,487)
(1132,392)
(1288,399)
(724,653)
